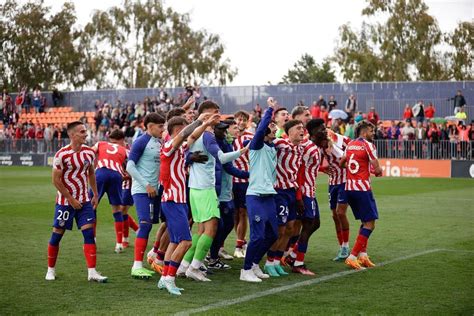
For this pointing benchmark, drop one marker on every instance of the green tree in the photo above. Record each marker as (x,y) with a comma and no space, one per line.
(145,45)
(306,70)
(39,47)
(404,47)
(461,57)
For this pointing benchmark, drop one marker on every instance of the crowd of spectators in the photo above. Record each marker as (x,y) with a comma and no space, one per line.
(417,123)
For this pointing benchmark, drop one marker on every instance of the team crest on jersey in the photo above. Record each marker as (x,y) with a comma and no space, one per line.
(257,218)
(62,223)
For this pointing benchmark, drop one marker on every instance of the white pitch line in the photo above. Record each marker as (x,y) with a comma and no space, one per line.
(336,275)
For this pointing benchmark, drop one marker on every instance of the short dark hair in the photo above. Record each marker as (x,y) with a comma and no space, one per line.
(72,125)
(243,114)
(117,134)
(279,110)
(174,113)
(298,110)
(176,121)
(153,118)
(206,105)
(288,125)
(362,125)
(314,124)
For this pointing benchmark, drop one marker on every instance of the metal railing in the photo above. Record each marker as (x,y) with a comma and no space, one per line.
(424,149)
(395,149)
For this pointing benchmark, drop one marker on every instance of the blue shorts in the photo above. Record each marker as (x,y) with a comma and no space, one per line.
(263,217)
(110,182)
(311,208)
(227,208)
(240,190)
(337,195)
(148,209)
(127,197)
(363,205)
(285,202)
(177,221)
(64,216)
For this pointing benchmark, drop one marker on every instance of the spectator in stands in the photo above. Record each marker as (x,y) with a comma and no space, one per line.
(350,129)
(359,116)
(315,110)
(2,115)
(408,113)
(434,135)
(351,105)
(37,98)
(461,115)
(380,133)
(408,134)
(471,131)
(321,102)
(420,137)
(463,132)
(332,104)
(373,117)
(453,141)
(57,96)
(324,115)
(430,111)
(20,100)
(419,111)
(39,138)
(459,101)
(48,137)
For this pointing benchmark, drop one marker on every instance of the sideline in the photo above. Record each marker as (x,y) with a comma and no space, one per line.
(336,275)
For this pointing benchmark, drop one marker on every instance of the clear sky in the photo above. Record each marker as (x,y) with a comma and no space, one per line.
(264,38)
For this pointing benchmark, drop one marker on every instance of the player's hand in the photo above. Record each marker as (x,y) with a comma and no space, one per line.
(94,202)
(198,157)
(151,191)
(213,120)
(191,100)
(75,203)
(271,103)
(245,149)
(204,117)
(299,207)
(378,172)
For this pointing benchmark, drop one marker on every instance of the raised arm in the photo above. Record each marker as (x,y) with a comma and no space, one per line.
(257,141)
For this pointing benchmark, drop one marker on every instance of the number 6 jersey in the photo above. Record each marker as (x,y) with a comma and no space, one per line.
(358,154)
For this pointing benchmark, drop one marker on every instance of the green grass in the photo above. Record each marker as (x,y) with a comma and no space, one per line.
(415,215)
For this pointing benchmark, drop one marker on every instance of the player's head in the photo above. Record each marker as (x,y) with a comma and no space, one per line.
(234,128)
(301,113)
(281,117)
(77,132)
(220,130)
(176,125)
(189,116)
(175,113)
(317,132)
(154,124)
(208,106)
(270,133)
(295,131)
(117,137)
(365,129)
(242,119)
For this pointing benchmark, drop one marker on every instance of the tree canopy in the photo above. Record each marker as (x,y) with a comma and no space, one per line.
(306,70)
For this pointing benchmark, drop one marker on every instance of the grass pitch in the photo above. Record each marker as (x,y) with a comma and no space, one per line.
(430,218)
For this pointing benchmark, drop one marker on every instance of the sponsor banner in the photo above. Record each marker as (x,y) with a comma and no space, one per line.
(22,160)
(462,168)
(416,168)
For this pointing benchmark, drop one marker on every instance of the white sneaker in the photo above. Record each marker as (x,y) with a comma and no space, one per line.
(223,254)
(248,276)
(51,274)
(196,275)
(244,249)
(118,248)
(239,253)
(151,255)
(181,272)
(97,277)
(258,272)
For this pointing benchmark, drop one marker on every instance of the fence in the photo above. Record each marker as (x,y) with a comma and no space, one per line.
(388,98)
(394,149)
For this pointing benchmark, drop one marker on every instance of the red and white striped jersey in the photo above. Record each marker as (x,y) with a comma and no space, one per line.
(334,155)
(127,183)
(172,173)
(111,156)
(308,172)
(75,170)
(288,163)
(358,154)
(242,162)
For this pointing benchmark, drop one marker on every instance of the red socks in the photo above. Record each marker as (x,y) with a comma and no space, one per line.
(140,247)
(240,243)
(345,235)
(131,222)
(340,237)
(361,243)
(52,255)
(119,232)
(126,227)
(90,254)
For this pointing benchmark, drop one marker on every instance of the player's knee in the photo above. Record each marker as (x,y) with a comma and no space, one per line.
(58,231)
(186,244)
(144,229)
(316,224)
